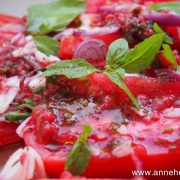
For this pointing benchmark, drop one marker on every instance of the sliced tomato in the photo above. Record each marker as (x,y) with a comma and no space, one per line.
(68,46)
(138,142)
(92,5)
(152,87)
(8,133)
(149,142)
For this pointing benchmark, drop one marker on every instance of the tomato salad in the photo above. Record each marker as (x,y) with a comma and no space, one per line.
(92,88)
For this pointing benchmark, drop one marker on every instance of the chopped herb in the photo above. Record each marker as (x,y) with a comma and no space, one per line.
(39,90)
(79,157)
(29,103)
(169,55)
(15,116)
(171,6)
(157,30)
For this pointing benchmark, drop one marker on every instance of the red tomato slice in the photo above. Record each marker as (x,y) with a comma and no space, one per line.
(8,133)
(150,140)
(110,166)
(68,46)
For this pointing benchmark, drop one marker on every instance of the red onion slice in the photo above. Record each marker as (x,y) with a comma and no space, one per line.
(9,92)
(164,19)
(175,75)
(92,49)
(97,31)
(168,74)
(61,34)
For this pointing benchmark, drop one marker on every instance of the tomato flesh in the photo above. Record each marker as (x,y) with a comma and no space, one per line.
(8,133)
(120,134)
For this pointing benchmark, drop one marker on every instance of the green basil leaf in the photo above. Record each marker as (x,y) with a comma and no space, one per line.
(39,90)
(29,103)
(121,72)
(117,50)
(46,45)
(171,6)
(116,78)
(86,133)
(157,30)
(76,68)
(23,106)
(15,116)
(79,157)
(45,18)
(169,55)
(143,54)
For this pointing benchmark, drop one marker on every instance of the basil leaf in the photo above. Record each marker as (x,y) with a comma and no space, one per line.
(157,30)
(79,157)
(15,116)
(116,78)
(39,90)
(121,72)
(45,18)
(86,133)
(29,103)
(143,54)
(46,45)
(117,50)
(23,106)
(76,68)
(169,55)
(171,6)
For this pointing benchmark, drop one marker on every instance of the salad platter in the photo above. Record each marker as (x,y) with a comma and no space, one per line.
(90,90)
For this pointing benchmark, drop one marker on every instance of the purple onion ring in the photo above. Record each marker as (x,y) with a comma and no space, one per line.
(168,74)
(164,19)
(91,49)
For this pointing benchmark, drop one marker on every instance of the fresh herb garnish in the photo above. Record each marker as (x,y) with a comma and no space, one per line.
(117,79)
(76,68)
(29,103)
(46,45)
(45,18)
(120,59)
(117,50)
(158,30)
(39,90)
(79,157)
(143,54)
(169,55)
(171,6)
(15,116)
